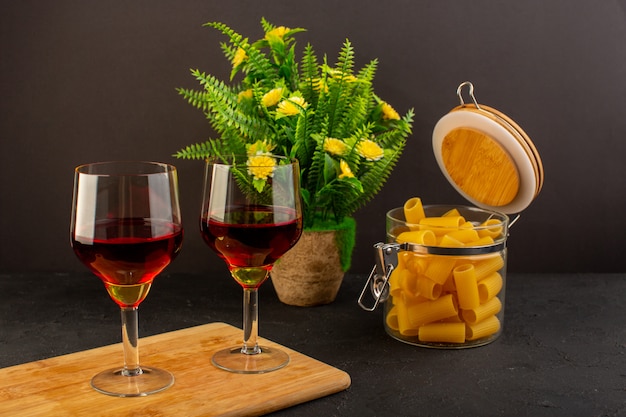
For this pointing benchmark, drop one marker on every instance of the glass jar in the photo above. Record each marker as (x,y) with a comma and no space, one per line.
(442,282)
(447,287)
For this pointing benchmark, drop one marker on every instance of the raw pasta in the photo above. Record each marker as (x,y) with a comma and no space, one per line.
(392,318)
(446,298)
(408,282)
(423,237)
(482,329)
(439,268)
(464,235)
(441,225)
(490,287)
(429,311)
(450,242)
(405,326)
(442,332)
(482,311)
(427,288)
(494,228)
(413,210)
(466,286)
(488,266)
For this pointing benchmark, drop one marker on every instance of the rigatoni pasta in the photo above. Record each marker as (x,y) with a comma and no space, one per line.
(482,311)
(482,329)
(423,237)
(466,286)
(490,287)
(464,235)
(392,318)
(427,288)
(405,326)
(441,225)
(440,297)
(413,210)
(488,266)
(439,268)
(443,332)
(430,311)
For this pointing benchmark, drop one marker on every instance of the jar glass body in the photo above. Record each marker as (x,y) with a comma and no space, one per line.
(447,290)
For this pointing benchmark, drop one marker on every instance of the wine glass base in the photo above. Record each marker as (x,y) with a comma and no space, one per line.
(113,382)
(234,360)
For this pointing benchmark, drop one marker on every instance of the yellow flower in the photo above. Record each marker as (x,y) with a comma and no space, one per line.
(346,172)
(370,150)
(259,147)
(239,57)
(272,97)
(389,113)
(291,106)
(261,166)
(244,95)
(278,32)
(335,146)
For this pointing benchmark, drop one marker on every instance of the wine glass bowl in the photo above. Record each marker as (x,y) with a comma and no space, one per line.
(251,215)
(126,228)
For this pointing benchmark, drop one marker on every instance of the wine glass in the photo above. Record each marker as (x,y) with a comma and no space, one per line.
(251,215)
(126,227)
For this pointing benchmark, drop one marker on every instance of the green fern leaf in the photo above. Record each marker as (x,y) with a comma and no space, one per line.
(195,151)
(340,104)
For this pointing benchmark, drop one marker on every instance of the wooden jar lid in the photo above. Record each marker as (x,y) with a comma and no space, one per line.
(487,157)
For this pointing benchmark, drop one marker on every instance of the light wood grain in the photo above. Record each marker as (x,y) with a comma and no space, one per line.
(523,139)
(480,167)
(60,385)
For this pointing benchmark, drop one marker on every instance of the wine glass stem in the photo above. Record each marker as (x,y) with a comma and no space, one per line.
(129,340)
(250,321)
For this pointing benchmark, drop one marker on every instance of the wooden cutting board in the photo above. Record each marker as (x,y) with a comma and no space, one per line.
(60,385)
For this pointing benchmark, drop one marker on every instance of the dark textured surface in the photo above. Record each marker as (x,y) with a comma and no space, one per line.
(562,352)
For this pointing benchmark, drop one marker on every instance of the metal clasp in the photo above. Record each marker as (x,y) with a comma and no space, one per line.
(378,280)
(459,93)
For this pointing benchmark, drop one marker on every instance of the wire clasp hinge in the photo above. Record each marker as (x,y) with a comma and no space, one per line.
(378,280)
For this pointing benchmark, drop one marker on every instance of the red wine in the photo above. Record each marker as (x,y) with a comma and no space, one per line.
(254,236)
(128,252)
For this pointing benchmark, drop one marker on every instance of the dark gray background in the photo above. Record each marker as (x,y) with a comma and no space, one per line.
(85,81)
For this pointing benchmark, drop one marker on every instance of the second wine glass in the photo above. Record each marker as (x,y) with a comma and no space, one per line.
(251,215)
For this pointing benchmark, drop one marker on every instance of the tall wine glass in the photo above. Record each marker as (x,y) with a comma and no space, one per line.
(126,227)
(251,215)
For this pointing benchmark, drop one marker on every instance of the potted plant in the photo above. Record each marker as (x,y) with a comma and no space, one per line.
(346,138)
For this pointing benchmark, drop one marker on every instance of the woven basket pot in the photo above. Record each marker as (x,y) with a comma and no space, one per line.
(310,273)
